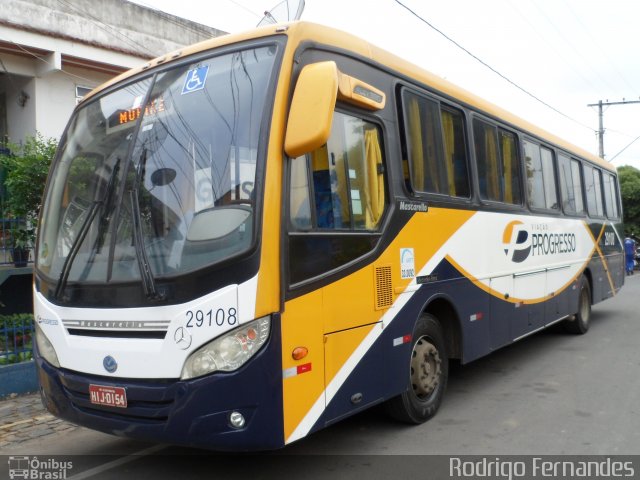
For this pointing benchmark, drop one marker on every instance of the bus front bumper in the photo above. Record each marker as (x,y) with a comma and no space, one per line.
(195,413)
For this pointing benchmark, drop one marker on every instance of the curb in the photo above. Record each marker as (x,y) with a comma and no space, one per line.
(18,378)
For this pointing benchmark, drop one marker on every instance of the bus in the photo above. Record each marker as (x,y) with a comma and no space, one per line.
(247,240)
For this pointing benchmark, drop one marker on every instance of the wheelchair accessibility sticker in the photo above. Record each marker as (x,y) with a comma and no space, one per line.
(196,79)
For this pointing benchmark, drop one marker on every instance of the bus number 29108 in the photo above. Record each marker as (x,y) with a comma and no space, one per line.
(200,318)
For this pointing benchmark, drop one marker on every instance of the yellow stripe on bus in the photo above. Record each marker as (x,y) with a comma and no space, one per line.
(306,316)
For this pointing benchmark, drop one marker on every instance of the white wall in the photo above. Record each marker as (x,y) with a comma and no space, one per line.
(56,98)
(117,34)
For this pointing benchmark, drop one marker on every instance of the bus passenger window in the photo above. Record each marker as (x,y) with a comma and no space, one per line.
(610,197)
(340,185)
(540,177)
(435,147)
(570,185)
(549,178)
(486,144)
(424,143)
(455,153)
(510,176)
(593,189)
(299,203)
(498,167)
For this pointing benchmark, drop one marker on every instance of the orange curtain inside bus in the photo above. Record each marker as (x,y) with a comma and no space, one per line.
(507,173)
(493,191)
(449,149)
(416,154)
(375,179)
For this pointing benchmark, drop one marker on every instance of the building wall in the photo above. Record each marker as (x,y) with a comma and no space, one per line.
(113,24)
(48,47)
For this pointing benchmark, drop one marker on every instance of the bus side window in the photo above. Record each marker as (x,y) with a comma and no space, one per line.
(570,185)
(455,153)
(610,195)
(435,146)
(593,189)
(540,177)
(340,185)
(498,167)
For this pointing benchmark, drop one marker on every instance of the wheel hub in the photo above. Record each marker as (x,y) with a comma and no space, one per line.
(425,368)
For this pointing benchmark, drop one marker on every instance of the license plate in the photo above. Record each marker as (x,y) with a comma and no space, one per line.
(108,396)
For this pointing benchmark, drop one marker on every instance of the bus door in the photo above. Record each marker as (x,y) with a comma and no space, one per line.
(349,199)
(336,203)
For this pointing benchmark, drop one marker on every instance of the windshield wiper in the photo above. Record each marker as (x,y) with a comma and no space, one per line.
(148,282)
(107,202)
(75,247)
(105,218)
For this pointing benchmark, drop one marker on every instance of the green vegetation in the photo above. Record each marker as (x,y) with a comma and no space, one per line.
(26,170)
(16,338)
(629,178)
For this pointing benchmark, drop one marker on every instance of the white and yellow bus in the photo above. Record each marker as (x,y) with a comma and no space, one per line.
(247,240)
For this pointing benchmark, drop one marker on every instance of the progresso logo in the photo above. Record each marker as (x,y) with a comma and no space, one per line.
(521,241)
(517,242)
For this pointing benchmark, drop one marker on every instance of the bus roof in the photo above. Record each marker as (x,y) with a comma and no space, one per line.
(300,31)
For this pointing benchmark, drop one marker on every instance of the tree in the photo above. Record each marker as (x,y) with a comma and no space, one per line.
(629,178)
(26,169)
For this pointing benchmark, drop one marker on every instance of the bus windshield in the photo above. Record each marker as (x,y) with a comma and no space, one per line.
(157,178)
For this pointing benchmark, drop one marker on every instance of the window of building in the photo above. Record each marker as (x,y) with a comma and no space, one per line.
(498,167)
(81,92)
(435,145)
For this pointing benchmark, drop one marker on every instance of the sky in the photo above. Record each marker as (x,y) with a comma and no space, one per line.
(565,53)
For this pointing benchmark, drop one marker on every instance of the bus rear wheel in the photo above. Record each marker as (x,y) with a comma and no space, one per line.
(580,322)
(428,373)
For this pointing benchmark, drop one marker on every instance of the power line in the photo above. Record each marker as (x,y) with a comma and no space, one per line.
(634,141)
(478,59)
(246,8)
(599,47)
(560,33)
(600,104)
(37,57)
(552,48)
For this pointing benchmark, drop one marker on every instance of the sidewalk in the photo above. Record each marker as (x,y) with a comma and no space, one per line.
(23,418)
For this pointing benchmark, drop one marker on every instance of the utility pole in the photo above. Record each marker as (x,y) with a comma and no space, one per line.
(600,104)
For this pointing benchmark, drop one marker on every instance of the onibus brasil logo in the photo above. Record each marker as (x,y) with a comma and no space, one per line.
(32,468)
(521,241)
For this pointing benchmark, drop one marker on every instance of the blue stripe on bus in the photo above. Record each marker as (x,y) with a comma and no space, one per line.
(191,413)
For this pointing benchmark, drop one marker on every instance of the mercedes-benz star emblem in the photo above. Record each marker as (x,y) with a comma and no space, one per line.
(109,363)
(182,337)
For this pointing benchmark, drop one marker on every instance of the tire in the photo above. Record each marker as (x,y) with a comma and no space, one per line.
(579,322)
(428,373)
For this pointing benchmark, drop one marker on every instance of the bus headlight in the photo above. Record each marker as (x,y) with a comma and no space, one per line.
(228,352)
(45,348)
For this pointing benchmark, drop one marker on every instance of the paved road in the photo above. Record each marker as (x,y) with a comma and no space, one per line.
(552,393)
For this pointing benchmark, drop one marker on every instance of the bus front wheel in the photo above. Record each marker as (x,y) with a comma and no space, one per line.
(428,373)
(579,323)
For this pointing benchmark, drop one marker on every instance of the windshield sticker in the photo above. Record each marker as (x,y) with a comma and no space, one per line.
(195,80)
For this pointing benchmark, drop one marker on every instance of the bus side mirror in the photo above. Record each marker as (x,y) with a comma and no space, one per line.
(311,114)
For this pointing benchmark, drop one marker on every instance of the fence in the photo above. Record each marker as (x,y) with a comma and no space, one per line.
(7,228)
(16,338)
